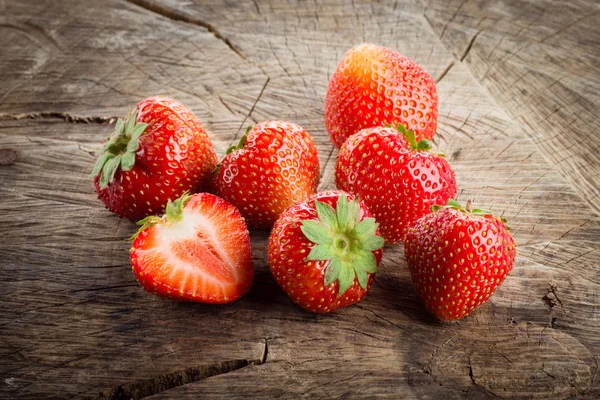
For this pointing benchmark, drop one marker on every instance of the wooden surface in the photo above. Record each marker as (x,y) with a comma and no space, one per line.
(519,89)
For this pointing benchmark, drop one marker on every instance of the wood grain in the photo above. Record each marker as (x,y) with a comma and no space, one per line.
(73,321)
(540,61)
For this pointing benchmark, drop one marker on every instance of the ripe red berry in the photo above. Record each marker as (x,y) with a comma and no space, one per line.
(396,176)
(373,86)
(324,251)
(160,152)
(274,165)
(457,258)
(198,251)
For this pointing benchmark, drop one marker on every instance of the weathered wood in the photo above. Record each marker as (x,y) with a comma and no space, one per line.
(73,321)
(540,60)
(465,362)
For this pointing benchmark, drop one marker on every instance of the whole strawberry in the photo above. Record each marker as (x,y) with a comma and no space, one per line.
(457,258)
(324,251)
(274,165)
(198,251)
(160,152)
(373,86)
(396,176)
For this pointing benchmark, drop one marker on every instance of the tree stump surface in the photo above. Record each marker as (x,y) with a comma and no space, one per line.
(519,94)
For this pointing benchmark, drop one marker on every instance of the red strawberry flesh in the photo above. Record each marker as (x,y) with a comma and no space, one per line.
(204,256)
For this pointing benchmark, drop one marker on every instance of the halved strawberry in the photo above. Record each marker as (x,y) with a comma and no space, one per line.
(198,251)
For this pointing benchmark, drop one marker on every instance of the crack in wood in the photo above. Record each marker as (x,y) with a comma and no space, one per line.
(158,384)
(444,72)
(265,355)
(572,229)
(477,384)
(427,368)
(226,105)
(256,5)
(551,300)
(550,296)
(66,117)
(469,46)
(547,373)
(578,257)
(173,15)
(161,383)
(452,18)
(249,115)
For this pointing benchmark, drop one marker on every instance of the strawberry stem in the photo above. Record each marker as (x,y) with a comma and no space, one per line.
(469,204)
(173,213)
(231,149)
(241,143)
(467,209)
(411,138)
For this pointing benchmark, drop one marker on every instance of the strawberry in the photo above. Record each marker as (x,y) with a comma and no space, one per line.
(324,251)
(161,151)
(373,86)
(396,176)
(274,165)
(198,251)
(457,258)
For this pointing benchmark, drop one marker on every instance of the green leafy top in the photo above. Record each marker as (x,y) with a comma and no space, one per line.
(345,241)
(231,149)
(467,209)
(241,143)
(173,213)
(119,150)
(411,138)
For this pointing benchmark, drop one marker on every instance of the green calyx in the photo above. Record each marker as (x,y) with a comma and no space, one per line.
(467,209)
(119,150)
(411,138)
(241,143)
(231,149)
(173,213)
(345,241)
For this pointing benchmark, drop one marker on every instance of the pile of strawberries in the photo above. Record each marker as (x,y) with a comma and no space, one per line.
(324,248)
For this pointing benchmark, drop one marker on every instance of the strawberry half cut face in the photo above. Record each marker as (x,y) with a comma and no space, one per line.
(199,251)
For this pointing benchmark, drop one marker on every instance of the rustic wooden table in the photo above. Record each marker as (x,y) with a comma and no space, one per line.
(519,92)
